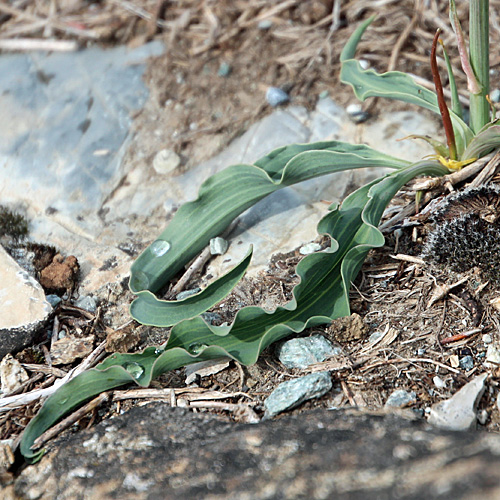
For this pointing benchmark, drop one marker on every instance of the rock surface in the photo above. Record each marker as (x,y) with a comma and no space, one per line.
(160,453)
(23,307)
(70,172)
(459,413)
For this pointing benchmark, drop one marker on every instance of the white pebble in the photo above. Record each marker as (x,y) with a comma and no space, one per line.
(166,161)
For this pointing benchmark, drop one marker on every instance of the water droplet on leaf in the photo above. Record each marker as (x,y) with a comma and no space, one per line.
(196,347)
(135,369)
(159,247)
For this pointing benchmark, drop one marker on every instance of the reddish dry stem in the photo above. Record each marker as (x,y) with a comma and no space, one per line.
(445,115)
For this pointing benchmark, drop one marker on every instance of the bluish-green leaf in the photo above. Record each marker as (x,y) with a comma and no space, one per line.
(227,194)
(321,295)
(486,141)
(149,310)
(394,85)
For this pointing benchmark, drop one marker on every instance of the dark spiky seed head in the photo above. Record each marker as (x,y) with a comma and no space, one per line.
(467,232)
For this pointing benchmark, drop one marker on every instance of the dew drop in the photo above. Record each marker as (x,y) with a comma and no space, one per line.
(135,369)
(159,247)
(63,401)
(139,281)
(196,347)
(159,351)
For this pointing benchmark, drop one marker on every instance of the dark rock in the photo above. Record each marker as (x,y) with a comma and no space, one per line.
(160,453)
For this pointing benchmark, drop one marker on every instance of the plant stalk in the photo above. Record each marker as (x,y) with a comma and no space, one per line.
(480,62)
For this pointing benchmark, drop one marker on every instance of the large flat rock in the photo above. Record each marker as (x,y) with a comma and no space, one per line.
(23,307)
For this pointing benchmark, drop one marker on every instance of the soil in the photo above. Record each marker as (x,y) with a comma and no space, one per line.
(197,112)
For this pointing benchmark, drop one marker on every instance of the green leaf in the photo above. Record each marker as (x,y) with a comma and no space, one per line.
(149,310)
(321,295)
(456,107)
(440,148)
(227,194)
(486,141)
(394,85)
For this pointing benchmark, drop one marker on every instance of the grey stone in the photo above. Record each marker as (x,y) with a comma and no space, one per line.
(459,412)
(265,24)
(356,113)
(218,246)
(292,393)
(155,452)
(86,302)
(401,398)
(439,382)
(275,96)
(305,351)
(224,70)
(23,307)
(495,95)
(53,300)
(309,248)
(467,363)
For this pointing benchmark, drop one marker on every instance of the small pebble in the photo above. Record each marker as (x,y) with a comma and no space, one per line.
(324,94)
(309,248)
(454,361)
(400,398)
(495,95)
(364,63)
(487,339)
(224,70)
(420,351)
(356,113)
(467,363)
(53,300)
(87,302)
(265,24)
(439,382)
(482,416)
(275,96)
(12,374)
(187,293)
(218,246)
(166,161)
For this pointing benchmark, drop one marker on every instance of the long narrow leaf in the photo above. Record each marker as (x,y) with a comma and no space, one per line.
(149,310)
(321,295)
(227,194)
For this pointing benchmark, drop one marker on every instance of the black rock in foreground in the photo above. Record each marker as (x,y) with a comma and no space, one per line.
(156,452)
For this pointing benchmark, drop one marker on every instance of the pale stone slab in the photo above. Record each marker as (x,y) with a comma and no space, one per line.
(23,307)
(459,413)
